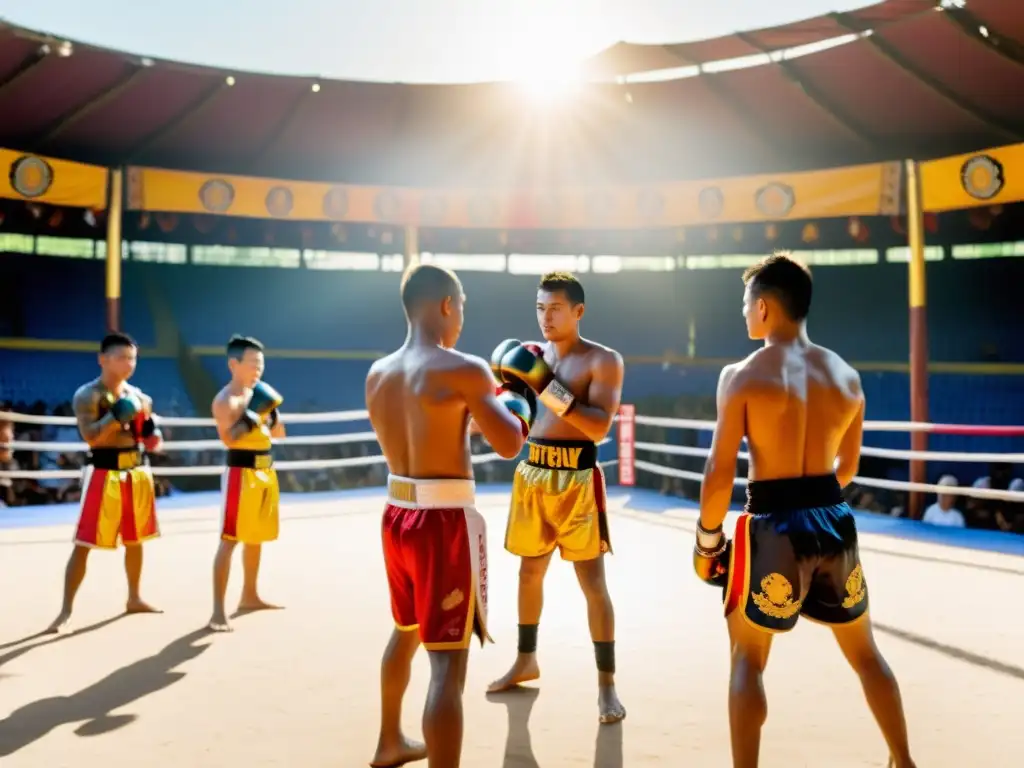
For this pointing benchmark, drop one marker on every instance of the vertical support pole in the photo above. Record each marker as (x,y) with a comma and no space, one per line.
(918,332)
(412,246)
(115,211)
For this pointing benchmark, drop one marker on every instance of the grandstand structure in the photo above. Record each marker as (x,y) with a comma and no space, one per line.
(181,192)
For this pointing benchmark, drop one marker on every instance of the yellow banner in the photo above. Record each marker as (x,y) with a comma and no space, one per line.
(856,191)
(968,181)
(55,182)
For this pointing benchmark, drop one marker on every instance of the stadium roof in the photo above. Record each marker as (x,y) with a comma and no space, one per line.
(907,80)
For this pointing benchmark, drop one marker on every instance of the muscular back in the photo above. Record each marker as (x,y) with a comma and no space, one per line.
(419,413)
(803,406)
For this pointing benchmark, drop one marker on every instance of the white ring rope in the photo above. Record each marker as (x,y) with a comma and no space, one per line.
(882,453)
(194,445)
(867,482)
(869,426)
(349,416)
(192,421)
(210,445)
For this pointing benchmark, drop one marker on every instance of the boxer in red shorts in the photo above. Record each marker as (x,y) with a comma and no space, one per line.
(421,399)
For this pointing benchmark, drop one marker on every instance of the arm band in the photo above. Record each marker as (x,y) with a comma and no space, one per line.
(557,399)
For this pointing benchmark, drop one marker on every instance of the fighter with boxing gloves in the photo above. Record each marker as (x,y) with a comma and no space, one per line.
(801,409)
(247,418)
(421,399)
(118,502)
(558,493)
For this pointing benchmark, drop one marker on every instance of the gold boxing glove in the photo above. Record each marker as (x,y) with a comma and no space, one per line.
(711,556)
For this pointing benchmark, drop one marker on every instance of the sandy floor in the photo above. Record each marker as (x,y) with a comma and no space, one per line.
(298,688)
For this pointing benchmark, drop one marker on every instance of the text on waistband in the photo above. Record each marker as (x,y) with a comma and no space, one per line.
(555,456)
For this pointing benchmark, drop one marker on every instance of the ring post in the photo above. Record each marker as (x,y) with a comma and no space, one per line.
(115,208)
(918,333)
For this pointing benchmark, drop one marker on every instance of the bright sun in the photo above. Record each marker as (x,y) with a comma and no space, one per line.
(547,76)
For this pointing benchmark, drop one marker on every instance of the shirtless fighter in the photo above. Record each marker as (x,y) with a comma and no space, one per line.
(247,418)
(118,496)
(421,399)
(801,409)
(558,493)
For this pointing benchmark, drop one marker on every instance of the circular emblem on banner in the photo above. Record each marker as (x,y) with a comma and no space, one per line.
(31,176)
(280,201)
(711,202)
(432,209)
(775,200)
(982,177)
(216,195)
(335,203)
(386,207)
(600,206)
(650,203)
(482,210)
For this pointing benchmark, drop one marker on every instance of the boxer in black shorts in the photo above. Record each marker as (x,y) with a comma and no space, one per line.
(801,409)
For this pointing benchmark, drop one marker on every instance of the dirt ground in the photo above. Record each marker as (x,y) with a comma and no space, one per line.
(299,687)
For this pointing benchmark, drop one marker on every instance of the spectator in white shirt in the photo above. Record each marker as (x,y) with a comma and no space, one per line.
(943,512)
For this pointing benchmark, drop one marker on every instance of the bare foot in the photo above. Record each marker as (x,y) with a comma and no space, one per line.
(524,669)
(406,751)
(60,625)
(249,604)
(608,704)
(219,621)
(138,605)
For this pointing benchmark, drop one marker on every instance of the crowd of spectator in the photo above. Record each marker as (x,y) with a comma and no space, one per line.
(951,510)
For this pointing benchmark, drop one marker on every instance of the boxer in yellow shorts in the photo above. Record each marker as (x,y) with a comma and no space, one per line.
(558,492)
(247,418)
(558,501)
(118,497)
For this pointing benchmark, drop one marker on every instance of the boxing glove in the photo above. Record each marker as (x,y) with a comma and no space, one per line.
(264,399)
(125,409)
(247,422)
(520,406)
(150,434)
(711,556)
(499,352)
(525,364)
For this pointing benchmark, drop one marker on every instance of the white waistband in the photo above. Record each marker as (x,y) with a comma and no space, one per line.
(425,494)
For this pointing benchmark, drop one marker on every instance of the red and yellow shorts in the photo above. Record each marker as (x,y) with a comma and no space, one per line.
(435,554)
(118,501)
(558,500)
(251,498)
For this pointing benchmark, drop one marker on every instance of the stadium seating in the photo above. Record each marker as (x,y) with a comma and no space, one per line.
(53,377)
(860,311)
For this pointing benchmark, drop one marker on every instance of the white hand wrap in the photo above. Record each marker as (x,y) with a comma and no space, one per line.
(710,542)
(557,399)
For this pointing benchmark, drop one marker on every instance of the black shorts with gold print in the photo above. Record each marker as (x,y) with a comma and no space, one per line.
(795,554)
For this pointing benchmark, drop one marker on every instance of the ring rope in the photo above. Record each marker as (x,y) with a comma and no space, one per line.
(867,482)
(881,453)
(213,470)
(193,421)
(982,430)
(657,421)
(194,445)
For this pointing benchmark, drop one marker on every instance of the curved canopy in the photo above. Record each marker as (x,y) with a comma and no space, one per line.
(923,83)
